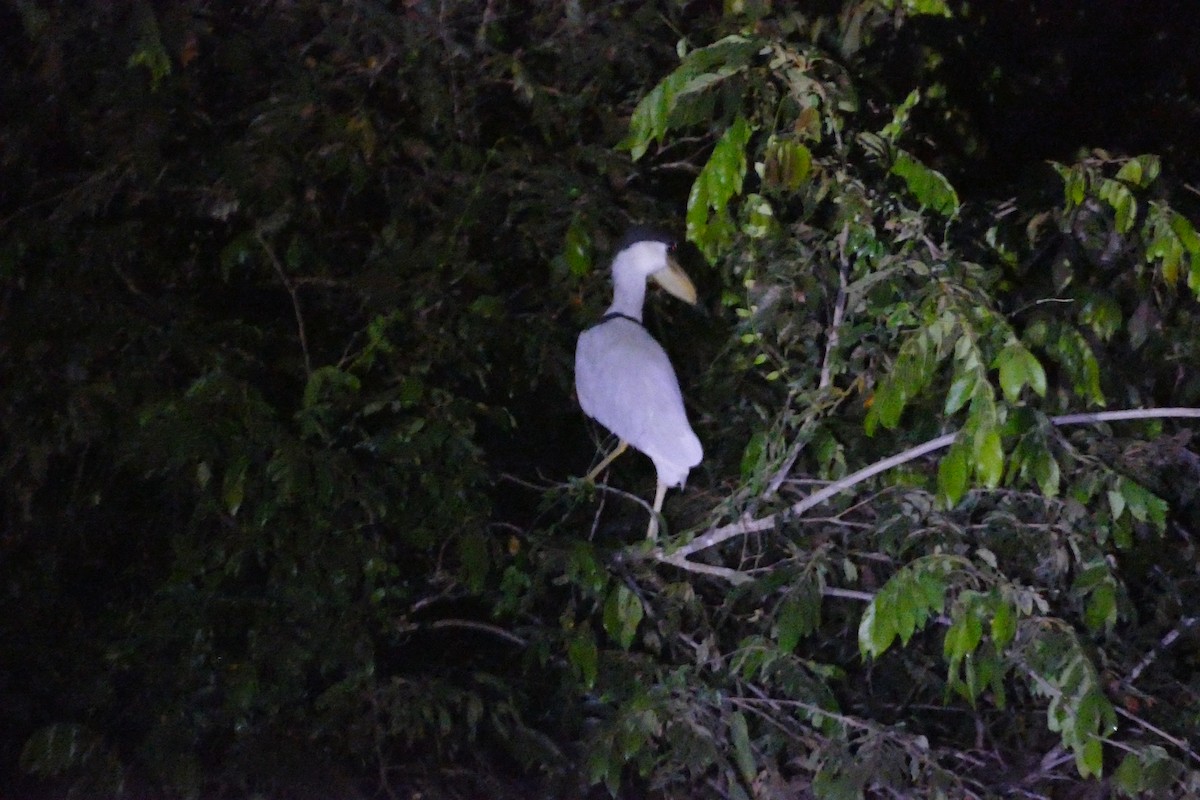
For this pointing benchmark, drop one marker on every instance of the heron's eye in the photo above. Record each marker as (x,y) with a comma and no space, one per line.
(672,247)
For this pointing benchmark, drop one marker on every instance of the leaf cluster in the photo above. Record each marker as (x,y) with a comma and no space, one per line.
(289,296)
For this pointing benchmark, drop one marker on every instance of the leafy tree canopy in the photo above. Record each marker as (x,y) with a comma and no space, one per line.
(289,296)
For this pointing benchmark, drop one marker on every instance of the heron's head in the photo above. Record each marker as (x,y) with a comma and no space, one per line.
(653,256)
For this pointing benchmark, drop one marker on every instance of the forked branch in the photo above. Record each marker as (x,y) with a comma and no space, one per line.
(747,524)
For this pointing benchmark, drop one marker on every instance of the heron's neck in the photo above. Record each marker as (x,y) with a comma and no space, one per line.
(629,294)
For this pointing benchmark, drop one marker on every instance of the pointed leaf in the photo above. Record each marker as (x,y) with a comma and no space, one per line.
(960,392)
(876,631)
(623,613)
(744,755)
(584,657)
(1004,624)
(952,475)
(708,221)
(929,186)
(989,463)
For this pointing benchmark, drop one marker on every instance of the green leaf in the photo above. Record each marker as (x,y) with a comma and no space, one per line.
(933,591)
(929,186)
(577,250)
(1116,503)
(63,748)
(1035,374)
(1143,504)
(964,635)
(1103,314)
(584,656)
(662,109)
(325,381)
(1122,201)
(830,784)
(952,475)
(1074,353)
(904,607)
(892,131)
(1140,171)
(742,751)
(886,407)
(799,616)
(1046,472)
(1012,372)
(150,52)
(752,456)
(937,8)
(233,487)
(1130,172)
(1075,183)
(1090,758)
(876,631)
(1128,775)
(989,460)
(904,604)
(758,217)
(708,221)
(1101,611)
(623,613)
(1004,624)
(584,570)
(475,559)
(787,164)
(55,749)
(1182,227)
(960,392)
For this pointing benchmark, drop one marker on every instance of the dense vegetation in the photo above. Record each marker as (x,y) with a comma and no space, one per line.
(290,499)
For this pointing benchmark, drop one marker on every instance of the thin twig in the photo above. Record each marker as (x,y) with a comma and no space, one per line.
(785,469)
(291,289)
(847,594)
(1180,743)
(1054,758)
(1163,644)
(485,627)
(599,513)
(839,310)
(682,166)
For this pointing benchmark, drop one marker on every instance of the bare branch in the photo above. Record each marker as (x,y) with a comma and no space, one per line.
(1127,414)
(847,594)
(468,624)
(747,524)
(732,575)
(785,469)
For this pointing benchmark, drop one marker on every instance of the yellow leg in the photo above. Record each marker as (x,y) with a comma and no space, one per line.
(608,459)
(659,494)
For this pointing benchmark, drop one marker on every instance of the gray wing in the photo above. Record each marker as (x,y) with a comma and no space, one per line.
(625,382)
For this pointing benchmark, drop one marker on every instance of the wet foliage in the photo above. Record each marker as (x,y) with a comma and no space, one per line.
(291,502)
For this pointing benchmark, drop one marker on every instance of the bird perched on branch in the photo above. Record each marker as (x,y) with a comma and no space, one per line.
(623,377)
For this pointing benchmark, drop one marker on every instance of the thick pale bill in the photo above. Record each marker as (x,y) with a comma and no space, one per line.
(676,281)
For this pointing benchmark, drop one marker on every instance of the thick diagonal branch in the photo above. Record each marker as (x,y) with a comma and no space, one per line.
(745,525)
